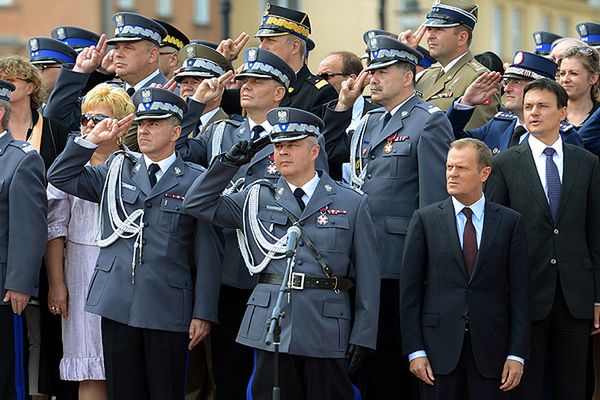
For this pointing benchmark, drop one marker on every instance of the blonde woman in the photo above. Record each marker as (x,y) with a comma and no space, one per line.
(71,227)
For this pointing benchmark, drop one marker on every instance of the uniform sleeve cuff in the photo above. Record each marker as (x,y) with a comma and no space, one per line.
(515,358)
(459,106)
(85,143)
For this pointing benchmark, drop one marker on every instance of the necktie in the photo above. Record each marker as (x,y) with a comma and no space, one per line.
(130,91)
(386,118)
(152,170)
(518,132)
(469,242)
(440,74)
(298,193)
(256,131)
(552,182)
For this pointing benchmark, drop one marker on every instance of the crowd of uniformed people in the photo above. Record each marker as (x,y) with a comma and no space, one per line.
(417,222)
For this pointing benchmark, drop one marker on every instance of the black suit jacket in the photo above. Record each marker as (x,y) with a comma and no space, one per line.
(571,249)
(437,297)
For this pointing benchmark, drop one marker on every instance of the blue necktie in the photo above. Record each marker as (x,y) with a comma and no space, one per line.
(552,182)
(386,118)
(256,131)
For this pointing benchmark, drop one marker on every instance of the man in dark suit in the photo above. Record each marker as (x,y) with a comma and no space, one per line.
(556,187)
(464,288)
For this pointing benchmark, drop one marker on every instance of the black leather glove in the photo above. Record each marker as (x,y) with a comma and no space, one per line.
(355,356)
(239,154)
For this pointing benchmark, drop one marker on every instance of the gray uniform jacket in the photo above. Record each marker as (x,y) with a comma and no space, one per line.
(23,208)
(199,151)
(173,243)
(318,322)
(408,174)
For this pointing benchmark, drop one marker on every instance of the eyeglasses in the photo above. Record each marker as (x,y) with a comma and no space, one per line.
(43,67)
(87,117)
(514,81)
(581,50)
(328,75)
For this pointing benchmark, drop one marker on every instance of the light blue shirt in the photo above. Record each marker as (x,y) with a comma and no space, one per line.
(478,209)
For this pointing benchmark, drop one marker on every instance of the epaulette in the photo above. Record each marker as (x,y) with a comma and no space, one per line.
(348,186)
(507,116)
(477,66)
(430,108)
(230,121)
(262,182)
(25,147)
(317,82)
(195,166)
(237,117)
(378,110)
(565,126)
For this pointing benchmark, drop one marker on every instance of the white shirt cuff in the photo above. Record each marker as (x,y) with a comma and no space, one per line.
(416,354)
(85,143)
(460,106)
(515,358)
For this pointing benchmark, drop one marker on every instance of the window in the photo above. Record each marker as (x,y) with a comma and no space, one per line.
(126,4)
(546,23)
(497,41)
(202,12)
(6,3)
(517,24)
(563,27)
(164,8)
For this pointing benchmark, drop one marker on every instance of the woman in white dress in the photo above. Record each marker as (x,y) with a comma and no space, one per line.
(71,237)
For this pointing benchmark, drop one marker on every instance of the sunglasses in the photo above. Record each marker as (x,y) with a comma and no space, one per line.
(43,67)
(87,117)
(328,75)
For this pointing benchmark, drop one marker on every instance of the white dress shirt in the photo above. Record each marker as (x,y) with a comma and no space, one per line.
(143,82)
(309,188)
(268,127)
(163,164)
(539,158)
(2,134)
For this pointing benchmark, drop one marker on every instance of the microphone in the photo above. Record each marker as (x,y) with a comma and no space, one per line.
(293,233)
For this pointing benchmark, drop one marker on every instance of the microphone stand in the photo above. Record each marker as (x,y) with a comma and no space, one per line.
(274,334)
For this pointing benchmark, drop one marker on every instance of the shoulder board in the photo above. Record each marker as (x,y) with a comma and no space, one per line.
(25,147)
(230,121)
(317,82)
(478,67)
(262,182)
(505,116)
(565,126)
(378,110)
(430,108)
(195,166)
(347,186)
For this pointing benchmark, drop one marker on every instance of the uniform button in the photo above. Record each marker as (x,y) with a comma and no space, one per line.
(144,242)
(553,261)
(332,222)
(146,224)
(369,176)
(249,173)
(299,262)
(302,223)
(301,243)
(148,204)
(177,208)
(373,157)
(556,231)
(272,217)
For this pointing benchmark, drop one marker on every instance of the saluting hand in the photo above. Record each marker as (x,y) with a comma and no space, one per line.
(212,89)
(18,300)
(171,85)
(421,368)
(108,63)
(412,39)
(482,88)
(230,49)
(109,129)
(199,328)
(350,90)
(91,57)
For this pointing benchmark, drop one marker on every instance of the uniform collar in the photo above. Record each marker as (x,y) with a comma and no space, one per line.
(454,62)
(3,133)
(265,125)
(143,82)
(163,164)
(309,187)
(204,118)
(395,109)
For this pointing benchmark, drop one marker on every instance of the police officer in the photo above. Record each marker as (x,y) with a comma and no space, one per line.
(337,232)
(49,55)
(265,79)
(202,62)
(449,28)
(23,234)
(397,156)
(507,128)
(285,32)
(142,285)
(170,46)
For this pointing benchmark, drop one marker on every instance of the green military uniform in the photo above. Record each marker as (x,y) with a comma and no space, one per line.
(442,89)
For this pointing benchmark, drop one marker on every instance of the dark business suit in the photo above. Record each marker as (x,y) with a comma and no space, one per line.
(564,258)
(439,300)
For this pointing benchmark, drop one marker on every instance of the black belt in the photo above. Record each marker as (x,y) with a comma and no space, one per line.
(302,281)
